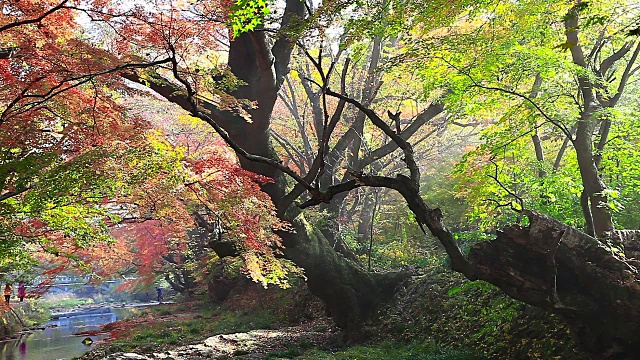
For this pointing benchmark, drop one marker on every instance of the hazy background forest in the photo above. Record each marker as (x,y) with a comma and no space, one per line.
(457,174)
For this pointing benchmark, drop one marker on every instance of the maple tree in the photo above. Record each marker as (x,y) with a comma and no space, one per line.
(77,159)
(213,197)
(59,129)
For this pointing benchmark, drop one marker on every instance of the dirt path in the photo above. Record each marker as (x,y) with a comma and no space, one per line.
(256,344)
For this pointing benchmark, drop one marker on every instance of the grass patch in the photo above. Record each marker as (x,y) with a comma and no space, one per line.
(197,324)
(292,353)
(392,351)
(61,301)
(285,354)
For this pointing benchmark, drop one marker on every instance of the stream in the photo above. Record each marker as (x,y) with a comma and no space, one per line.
(57,341)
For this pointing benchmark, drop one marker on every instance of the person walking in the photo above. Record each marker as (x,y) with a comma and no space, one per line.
(159,291)
(8,291)
(22,291)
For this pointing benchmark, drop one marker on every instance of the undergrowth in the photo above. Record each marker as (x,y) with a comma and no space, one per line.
(391,351)
(442,306)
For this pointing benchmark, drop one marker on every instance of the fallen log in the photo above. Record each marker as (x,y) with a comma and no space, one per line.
(592,284)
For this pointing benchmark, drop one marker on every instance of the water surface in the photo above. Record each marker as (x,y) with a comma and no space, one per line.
(57,340)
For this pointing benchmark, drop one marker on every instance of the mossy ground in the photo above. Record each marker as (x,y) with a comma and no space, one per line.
(389,350)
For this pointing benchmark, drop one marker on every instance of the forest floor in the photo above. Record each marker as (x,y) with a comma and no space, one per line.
(175,336)
(252,322)
(436,315)
(255,344)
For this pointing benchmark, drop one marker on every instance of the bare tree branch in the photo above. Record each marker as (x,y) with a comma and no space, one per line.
(382,125)
(34,20)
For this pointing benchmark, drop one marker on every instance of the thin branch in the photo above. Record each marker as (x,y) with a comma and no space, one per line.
(625,76)
(382,125)
(293,108)
(422,119)
(34,20)
(556,123)
(300,160)
(613,58)
(519,200)
(60,88)
(195,111)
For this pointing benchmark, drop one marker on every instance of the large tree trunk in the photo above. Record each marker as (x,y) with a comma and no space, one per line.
(567,272)
(352,295)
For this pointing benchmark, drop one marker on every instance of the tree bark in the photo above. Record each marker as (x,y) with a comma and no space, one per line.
(562,270)
(351,294)
(598,212)
(537,144)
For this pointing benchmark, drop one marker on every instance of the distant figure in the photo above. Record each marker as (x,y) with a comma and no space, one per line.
(159,291)
(22,347)
(8,291)
(22,291)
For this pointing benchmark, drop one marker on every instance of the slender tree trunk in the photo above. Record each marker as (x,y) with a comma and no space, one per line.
(560,155)
(362,230)
(594,187)
(537,144)
(583,142)
(535,138)
(333,210)
(373,220)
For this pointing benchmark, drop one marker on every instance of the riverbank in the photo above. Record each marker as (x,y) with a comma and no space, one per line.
(164,328)
(303,342)
(24,318)
(254,344)
(175,336)
(253,323)
(436,316)
(21,317)
(271,319)
(58,339)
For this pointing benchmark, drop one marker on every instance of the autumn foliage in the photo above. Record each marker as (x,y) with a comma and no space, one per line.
(89,182)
